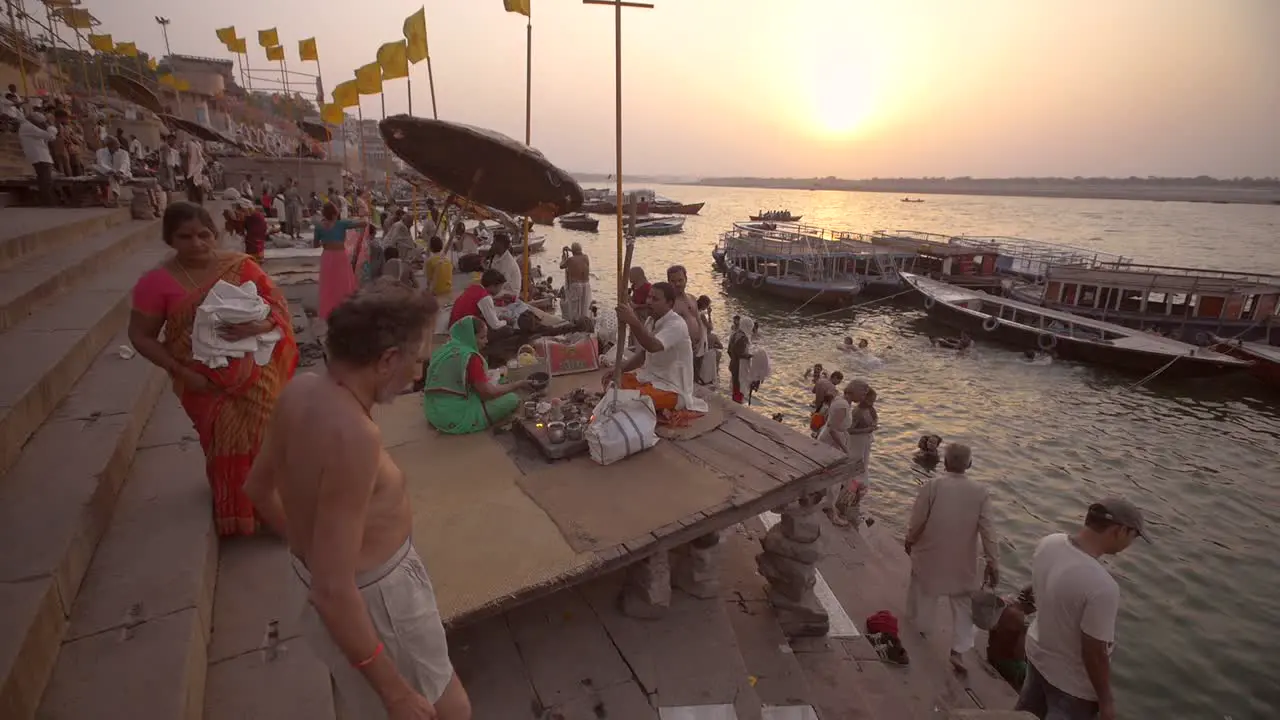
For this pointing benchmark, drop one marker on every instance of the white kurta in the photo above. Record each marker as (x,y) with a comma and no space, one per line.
(671,369)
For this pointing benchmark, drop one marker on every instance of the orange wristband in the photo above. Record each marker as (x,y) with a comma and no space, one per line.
(367,661)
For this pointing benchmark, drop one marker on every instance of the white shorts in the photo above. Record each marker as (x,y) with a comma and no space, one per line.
(402,607)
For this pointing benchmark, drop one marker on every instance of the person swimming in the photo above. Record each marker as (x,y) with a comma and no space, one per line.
(927,455)
(815,373)
(962,343)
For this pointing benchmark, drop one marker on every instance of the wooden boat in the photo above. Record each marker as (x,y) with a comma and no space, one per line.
(1265,358)
(807,265)
(1065,335)
(777,216)
(1189,304)
(579,221)
(910,200)
(663,205)
(659,226)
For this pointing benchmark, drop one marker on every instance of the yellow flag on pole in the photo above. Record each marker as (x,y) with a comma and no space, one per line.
(127,49)
(240,46)
(76,18)
(168,80)
(332,114)
(102,43)
(517,6)
(151,63)
(226,34)
(369,79)
(393,60)
(308,51)
(275,53)
(268,38)
(346,94)
(182,85)
(415,34)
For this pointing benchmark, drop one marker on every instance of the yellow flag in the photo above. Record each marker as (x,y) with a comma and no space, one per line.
(168,80)
(268,38)
(240,46)
(393,60)
(415,34)
(346,94)
(76,18)
(127,49)
(517,6)
(151,63)
(102,43)
(182,85)
(226,34)
(307,50)
(332,114)
(369,79)
(275,53)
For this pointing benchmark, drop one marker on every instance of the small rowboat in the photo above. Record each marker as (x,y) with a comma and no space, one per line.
(1065,335)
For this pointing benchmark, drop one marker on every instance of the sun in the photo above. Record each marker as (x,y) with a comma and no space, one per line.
(842,96)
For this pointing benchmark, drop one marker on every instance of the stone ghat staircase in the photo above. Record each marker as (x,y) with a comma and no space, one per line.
(108,555)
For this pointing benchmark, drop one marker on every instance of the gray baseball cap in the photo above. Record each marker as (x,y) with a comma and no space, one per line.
(1122,512)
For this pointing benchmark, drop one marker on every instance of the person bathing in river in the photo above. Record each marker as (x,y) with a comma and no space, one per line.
(662,369)
(962,343)
(927,451)
(815,373)
(849,425)
(824,391)
(577,283)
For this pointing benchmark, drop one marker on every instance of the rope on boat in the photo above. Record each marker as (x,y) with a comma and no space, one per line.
(869,302)
(1153,375)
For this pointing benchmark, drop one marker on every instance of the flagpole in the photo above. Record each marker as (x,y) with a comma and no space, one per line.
(431,82)
(528,127)
(409,84)
(386,158)
(248,71)
(364,173)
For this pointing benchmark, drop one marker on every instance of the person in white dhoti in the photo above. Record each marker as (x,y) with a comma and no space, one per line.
(849,425)
(112,162)
(952,512)
(577,283)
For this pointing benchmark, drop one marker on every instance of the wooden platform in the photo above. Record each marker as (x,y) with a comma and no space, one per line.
(498,526)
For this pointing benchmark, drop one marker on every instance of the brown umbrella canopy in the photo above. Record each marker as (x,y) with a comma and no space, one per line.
(483,166)
(135,92)
(317,131)
(203,132)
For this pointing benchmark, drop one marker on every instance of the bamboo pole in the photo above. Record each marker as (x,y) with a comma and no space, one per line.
(17,39)
(528,135)
(364,173)
(386,156)
(431,82)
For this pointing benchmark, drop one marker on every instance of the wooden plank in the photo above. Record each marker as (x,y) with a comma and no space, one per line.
(733,458)
(781,434)
(750,436)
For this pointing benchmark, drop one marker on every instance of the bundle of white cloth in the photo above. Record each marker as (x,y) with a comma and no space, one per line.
(227,304)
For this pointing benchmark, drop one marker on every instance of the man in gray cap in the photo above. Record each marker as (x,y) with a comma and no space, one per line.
(1069,643)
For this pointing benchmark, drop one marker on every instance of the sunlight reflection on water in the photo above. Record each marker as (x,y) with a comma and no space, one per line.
(1201,604)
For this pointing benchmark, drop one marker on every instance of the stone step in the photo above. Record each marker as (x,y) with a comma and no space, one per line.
(260,668)
(32,231)
(139,629)
(41,277)
(775,673)
(55,504)
(48,351)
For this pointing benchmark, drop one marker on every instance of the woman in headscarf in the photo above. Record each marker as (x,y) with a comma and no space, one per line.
(459,397)
(851,421)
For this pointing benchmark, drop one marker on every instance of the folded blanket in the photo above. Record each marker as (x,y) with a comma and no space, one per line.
(227,304)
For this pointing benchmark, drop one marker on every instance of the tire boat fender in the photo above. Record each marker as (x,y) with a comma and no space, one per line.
(991,323)
(757,281)
(1047,341)
(929,302)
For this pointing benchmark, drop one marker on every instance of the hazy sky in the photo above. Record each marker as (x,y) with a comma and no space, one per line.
(852,88)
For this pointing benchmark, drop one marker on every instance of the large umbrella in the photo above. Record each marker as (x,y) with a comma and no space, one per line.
(483,166)
(317,131)
(204,132)
(135,92)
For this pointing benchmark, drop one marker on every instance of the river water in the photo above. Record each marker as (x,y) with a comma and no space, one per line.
(1199,627)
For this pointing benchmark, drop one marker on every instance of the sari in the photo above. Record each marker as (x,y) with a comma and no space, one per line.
(450,403)
(337,281)
(231,420)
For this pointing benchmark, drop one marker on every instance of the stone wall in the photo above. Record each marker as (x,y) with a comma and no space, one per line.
(312,175)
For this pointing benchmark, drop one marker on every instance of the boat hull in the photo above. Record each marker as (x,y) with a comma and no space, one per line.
(1264,369)
(677,208)
(1188,330)
(788,219)
(1137,361)
(810,293)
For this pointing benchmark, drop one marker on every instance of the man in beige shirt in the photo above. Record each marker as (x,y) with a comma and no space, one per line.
(950,515)
(324,482)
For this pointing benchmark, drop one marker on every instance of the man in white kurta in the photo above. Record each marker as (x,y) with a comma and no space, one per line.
(950,515)
(663,368)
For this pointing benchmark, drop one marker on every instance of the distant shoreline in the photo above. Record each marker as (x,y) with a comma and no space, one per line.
(1223,194)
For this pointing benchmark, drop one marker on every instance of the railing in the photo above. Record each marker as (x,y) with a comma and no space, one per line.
(1255,278)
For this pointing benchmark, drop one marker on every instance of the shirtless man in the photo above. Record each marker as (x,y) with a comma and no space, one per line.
(577,283)
(686,306)
(371,614)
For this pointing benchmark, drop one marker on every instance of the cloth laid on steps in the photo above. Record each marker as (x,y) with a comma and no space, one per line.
(228,304)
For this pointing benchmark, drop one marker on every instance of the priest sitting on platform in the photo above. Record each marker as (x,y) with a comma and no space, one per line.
(663,367)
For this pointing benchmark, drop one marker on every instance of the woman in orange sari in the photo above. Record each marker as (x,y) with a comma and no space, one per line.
(229,406)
